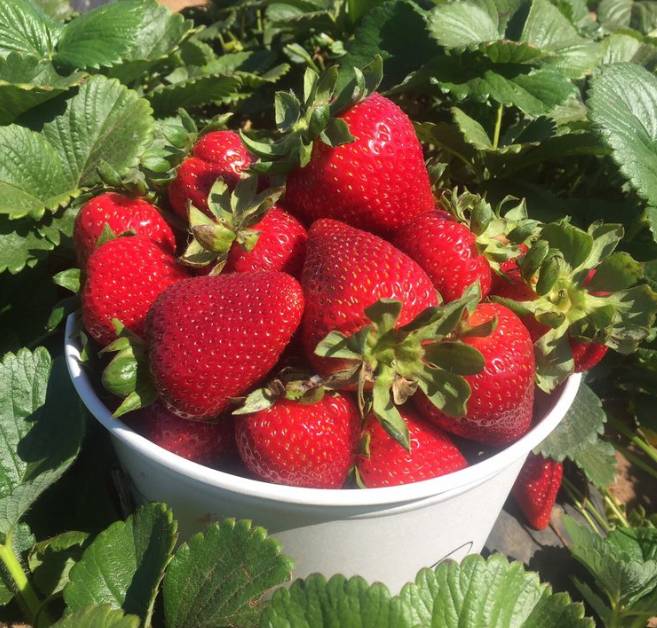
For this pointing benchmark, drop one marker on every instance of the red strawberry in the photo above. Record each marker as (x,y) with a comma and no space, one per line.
(499,410)
(536,489)
(205,443)
(120,213)
(213,338)
(217,154)
(512,286)
(387,463)
(281,246)
(447,251)
(124,277)
(347,270)
(299,444)
(378,182)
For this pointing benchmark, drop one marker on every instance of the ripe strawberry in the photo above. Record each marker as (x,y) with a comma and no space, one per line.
(213,338)
(120,213)
(536,489)
(499,410)
(386,463)
(217,154)
(124,277)
(378,182)
(299,444)
(281,246)
(447,251)
(347,270)
(205,443)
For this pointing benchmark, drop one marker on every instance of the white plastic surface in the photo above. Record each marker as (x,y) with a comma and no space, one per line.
(383,534)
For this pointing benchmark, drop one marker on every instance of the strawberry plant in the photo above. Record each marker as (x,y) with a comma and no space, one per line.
(449,209)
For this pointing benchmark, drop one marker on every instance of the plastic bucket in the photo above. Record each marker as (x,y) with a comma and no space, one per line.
(384,534)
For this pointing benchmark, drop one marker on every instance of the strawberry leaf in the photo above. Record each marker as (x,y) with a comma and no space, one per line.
(622,101)
(213,88)
(103,616)
(25,29)
(218,577)
(41,422)
(460,24)
(124,565)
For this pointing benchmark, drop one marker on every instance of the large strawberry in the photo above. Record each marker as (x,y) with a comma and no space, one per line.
(350,156)
(460,246)
(124,277)
(245,232)
(499,409)
(346,271)
(213,338)
(384,462)
(217,154)
(119,213)
(536,489)
(577,296)
(301,444)
(202,442)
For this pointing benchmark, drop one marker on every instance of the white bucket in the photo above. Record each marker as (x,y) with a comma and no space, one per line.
(382,534)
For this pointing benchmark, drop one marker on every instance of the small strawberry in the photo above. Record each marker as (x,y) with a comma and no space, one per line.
(299,444)
(577,297)
(205,443)
(213,338)
(245,232)
(385,462)
(350,156)
(499,409)
(217,154)
(124,277)
(346,271)
(120,213)
(536,489)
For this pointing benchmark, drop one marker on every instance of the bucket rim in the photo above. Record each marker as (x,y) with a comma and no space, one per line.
(388,496)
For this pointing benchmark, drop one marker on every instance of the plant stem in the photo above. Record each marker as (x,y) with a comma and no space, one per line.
(580,505)
(616,510)
(635,439)
(498,126)
(637,461)
(26,596)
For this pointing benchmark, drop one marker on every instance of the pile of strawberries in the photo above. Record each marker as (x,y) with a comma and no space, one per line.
(346,326)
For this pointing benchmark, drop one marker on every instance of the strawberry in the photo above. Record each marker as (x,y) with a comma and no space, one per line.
(385,462)
(536,489)
(447,251)
(124,277)
(347,270)
(217,154)
(301,444)
(349,156)
(499,409)
(213,338)
(120,213)
(378,182)
(205,443)
(245,232)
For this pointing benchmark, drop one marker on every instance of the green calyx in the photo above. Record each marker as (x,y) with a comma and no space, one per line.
(390,364)
(500,229)
(585,291)
(232,214)
(127,375)
(299,122)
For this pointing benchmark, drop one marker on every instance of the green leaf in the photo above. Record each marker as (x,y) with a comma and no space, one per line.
(617,14)
(616,272)
(124,565)
(69,279)
(488,592)
(597,460)
(25,29)
(210,89)
(218,577)
(103,616)
(316,602)
(623,106)
(104,121)
(41,428)
(26,82)
(459,24)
